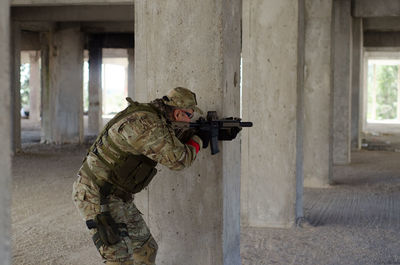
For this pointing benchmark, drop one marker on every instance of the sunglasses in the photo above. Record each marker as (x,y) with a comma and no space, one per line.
(190,115)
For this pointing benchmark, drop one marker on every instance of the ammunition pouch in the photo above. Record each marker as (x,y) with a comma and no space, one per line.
(129,173)
(108,231)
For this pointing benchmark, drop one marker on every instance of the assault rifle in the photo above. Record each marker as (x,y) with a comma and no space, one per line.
(224,129)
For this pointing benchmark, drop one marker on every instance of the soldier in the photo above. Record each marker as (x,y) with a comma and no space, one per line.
(122,162)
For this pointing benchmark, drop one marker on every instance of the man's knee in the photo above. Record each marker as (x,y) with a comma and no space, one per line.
(146,255)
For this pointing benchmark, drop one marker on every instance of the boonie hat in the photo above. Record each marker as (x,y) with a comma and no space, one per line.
(183,98)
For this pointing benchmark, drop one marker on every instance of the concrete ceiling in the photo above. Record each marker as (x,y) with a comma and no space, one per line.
(68,2)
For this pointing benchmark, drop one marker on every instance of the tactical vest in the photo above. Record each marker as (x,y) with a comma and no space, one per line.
(129,173)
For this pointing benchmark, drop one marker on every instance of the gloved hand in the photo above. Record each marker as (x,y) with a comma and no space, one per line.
(204,136)
(228,134)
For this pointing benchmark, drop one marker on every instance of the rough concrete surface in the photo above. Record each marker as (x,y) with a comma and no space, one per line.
(195,44)
(341,67)
(356,221)
(317,80)
(270,33)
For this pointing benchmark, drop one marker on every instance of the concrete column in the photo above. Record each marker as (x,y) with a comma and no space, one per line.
(341,87)
(63,96)
(95,119)
(194,214)
(317,76)
(34,86)
(15,86)
(356,86)
(5,143)
(131,73)
(272,98)
(46,95)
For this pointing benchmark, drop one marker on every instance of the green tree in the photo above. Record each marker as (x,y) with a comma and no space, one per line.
(24,79)
(386,92)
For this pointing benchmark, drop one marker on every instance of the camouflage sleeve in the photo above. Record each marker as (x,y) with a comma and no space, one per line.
(149,135)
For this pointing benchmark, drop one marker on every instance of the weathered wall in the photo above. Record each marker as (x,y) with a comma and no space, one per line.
(373,8)
(194,214)
(317,76)
(5,124)
(270,33)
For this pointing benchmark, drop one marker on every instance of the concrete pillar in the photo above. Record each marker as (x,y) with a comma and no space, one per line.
(131,73)
(95,119)
(46,95)
(356,86)
(15,86)
(5,143)
(272,98)
(194,214)
(63,81)
(34,86)
(341,92)
(317,76)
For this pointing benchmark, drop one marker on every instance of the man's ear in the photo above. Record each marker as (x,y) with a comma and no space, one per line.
(175,114)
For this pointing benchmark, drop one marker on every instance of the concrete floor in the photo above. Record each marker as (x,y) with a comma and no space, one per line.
(356,221)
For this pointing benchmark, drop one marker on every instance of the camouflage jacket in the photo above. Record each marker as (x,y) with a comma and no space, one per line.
(147,133)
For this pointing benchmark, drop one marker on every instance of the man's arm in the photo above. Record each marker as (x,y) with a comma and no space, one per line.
(148,135)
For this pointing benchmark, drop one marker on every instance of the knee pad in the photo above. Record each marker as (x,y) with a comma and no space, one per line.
(146,255)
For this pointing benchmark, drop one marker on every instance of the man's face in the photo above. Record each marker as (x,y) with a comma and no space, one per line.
(183,115)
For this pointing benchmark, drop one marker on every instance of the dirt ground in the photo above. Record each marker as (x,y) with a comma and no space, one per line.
(356,221)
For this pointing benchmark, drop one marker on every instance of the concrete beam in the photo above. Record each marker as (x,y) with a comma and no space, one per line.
(381,24)
(200,49)
(381,39)
(5,143)
(95,118)
(115,40)
(356,86)
(38,26)
(341,88)
(71,13)
(271,89)
(15,86)
(317,92)
(373,8)
(30,41)
(109,26)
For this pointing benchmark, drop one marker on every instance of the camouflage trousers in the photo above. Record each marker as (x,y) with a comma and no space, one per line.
(137,246)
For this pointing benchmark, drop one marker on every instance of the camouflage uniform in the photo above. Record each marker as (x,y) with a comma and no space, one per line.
(141,132)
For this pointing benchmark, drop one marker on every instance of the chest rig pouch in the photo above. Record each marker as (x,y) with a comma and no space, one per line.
(129,173)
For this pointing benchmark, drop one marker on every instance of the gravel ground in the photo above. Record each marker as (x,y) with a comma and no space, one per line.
(356,221)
